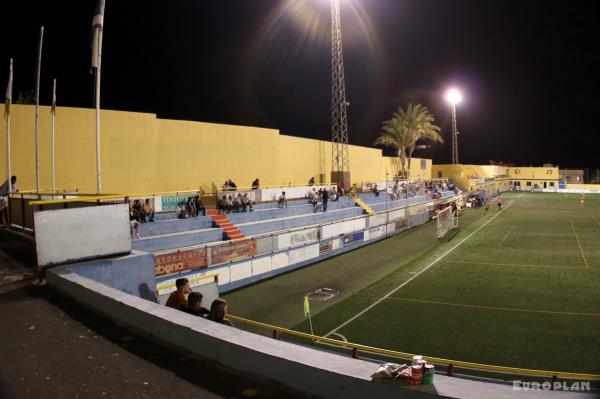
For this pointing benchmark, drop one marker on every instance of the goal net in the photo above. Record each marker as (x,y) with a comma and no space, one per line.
(446,221)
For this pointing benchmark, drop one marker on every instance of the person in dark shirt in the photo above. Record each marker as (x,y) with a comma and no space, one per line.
(325,198)
(194,305)
(256,184)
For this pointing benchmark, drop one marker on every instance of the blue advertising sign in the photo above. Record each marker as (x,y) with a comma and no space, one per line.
(350,238)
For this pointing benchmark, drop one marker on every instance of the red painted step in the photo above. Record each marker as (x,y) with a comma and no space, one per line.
(230,231)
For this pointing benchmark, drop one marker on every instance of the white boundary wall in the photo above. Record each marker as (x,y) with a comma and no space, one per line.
(74,234)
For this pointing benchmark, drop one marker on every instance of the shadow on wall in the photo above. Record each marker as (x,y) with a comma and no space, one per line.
(146,293)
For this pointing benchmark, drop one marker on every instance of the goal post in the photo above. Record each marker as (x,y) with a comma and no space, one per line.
(446,221)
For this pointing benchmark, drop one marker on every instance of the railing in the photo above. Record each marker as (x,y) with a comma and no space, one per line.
(356,349)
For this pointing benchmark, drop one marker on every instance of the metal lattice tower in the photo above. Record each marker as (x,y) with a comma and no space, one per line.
(339,123)
(454,136)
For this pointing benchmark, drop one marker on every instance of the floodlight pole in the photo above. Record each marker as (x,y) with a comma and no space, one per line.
(454,136)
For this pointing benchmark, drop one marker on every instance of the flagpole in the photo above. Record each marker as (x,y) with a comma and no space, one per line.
(98,173)
(53,123)
(37,109)
(9,100)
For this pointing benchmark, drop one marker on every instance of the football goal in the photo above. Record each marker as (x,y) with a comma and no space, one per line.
(446,221)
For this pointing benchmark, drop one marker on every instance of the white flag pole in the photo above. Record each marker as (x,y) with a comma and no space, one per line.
(97,29)
(8,105)
(37,109)
(53,123)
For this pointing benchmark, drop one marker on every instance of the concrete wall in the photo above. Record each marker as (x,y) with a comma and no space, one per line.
(133,274)
(305,369)
(141,153)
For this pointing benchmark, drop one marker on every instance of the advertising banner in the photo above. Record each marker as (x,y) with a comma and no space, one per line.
(303,253)
(229,252)
(178,262)
(374,233)
(296,238)
(325,247)
(169,202)
(354,237)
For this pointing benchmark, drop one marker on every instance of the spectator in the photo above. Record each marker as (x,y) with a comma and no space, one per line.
(137,210)
(232,185)
(341,191)
(325,197)
(177,299)
(194,305)
(224,204)
(199,206)
(246,203)
(4,186)
(181,212)
(3,210)
(237,202)
(147,212)
(333,194)
(282,201)
(229,200)
(226,186)
(256,184)
(218,311)
(133,222)
(375,190)
(311,181)
(190,207)
(313,197)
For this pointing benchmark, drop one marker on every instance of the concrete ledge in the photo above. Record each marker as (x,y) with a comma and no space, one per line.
(308,370)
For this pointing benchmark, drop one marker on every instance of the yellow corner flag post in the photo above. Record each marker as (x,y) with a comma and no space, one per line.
(307,314)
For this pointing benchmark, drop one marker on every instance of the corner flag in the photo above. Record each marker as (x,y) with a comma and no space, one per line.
(306,307)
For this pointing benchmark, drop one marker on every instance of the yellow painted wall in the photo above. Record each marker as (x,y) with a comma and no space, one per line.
(141,153)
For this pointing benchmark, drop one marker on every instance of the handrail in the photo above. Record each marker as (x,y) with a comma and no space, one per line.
(193,280)
(437,360)
(96,197)
(263,187)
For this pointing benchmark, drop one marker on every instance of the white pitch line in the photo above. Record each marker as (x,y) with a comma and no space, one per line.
(417,275)
(341,336)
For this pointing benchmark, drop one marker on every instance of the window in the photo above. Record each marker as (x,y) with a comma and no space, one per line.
(551,184)
(528,184)
(439,173)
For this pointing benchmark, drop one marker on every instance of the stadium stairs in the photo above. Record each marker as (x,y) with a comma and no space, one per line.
(230,231)
(366,208)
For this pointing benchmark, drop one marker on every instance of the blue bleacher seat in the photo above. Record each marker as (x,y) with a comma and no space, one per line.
(177,240)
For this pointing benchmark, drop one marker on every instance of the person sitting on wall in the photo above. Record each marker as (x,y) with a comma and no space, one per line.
(282,201)
(199,206)
(177,299)
(147,211)
(194,305)
(311,181)
(246,203)
(256,184)
(218,312)
(232,185)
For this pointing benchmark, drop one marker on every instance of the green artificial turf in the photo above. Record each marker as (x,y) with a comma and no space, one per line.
(523,291)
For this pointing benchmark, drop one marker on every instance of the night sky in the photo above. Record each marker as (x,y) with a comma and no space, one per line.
(529,70)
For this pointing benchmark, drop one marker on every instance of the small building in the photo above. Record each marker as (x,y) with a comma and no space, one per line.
(573,176)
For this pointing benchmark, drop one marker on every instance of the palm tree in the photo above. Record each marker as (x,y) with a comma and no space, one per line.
(407,129)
